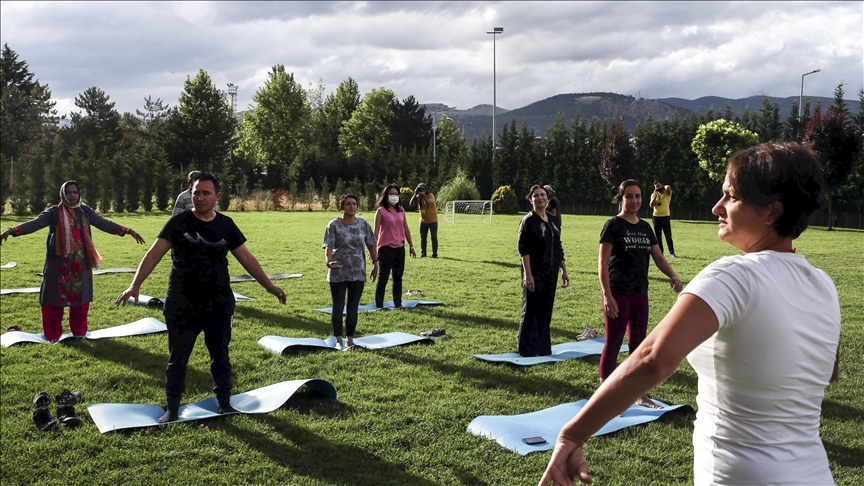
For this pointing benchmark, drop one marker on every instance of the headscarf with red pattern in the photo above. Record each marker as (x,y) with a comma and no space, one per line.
(73,229)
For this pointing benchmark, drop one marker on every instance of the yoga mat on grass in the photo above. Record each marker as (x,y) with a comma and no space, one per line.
(560,352)
(104,271)
(284,345)
(509,430)
(408,304)
(148,325)
(275,276)
(118,416)
(9,265)
(148,301)
(30,290)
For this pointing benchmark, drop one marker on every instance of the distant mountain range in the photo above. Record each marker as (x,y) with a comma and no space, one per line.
(540,115)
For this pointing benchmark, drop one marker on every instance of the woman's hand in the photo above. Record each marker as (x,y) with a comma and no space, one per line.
(610,307)
(528,282)
(565,280)
(413,253)
(374,274)
(568,462)
(134,234)
(5,234)
(676,284)
(333,264)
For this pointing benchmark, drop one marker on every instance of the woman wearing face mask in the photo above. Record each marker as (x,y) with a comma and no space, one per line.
(391,231)
(761,329)
(70,259)
(539,244)
(626,242)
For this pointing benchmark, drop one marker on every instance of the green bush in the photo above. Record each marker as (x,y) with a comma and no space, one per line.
(459,188)
(405,194)
(504,201)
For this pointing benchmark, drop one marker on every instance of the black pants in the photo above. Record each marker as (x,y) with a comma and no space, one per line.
(390,259)
(664,224)
(337,291)
(534,336)
(183,329)
(425,228)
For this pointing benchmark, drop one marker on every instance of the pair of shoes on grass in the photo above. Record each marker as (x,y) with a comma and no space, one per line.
(588,334)
(434,333)
(66,417)
(414,292)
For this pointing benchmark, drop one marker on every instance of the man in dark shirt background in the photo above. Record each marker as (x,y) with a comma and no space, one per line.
(554,207)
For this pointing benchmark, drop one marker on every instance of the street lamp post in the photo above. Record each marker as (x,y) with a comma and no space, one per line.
(801,96)
(495,31)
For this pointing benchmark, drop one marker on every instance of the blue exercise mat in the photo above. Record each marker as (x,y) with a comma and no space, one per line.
(560,352)
(281,345)
(9,265)
(148,301)
(148,325)
(509,430)
(275,276)
(118,416)
(29,290)
(408,304)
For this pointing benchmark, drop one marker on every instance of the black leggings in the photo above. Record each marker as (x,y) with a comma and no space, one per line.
(390,259)
(337,291)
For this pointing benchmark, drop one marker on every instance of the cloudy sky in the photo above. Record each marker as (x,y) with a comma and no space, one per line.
(439,51)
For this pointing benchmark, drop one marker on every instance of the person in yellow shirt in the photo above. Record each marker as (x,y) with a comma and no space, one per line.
(660,201)
(425,200)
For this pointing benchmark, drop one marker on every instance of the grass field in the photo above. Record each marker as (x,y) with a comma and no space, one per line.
(402,412)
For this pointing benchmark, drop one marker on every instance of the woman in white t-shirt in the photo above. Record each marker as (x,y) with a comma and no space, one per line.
(761,329)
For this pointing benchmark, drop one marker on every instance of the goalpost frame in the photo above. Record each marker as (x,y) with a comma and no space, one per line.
(474,211)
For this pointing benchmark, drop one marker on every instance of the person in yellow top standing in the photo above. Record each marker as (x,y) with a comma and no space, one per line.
(425,200)
(660,201)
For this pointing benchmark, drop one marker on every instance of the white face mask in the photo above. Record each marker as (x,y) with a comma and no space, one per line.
(394,200)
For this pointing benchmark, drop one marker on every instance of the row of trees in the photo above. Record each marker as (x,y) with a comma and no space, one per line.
(307,143)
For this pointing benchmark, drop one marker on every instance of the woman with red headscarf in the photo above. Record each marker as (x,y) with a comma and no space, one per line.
(69,260)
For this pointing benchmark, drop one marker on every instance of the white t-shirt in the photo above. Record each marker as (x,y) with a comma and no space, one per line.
(762,375)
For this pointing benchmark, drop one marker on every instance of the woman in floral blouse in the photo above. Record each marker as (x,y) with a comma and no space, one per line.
(70,259)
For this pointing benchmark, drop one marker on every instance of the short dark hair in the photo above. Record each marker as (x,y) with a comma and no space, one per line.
(206,176)
(534,188)
(787,172)
(383,202)
(623,187)
(347,196)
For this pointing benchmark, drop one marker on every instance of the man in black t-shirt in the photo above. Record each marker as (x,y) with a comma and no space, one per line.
(199,295)
(553,208)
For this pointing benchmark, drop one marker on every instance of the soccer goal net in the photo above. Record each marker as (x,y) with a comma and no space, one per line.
(468,212)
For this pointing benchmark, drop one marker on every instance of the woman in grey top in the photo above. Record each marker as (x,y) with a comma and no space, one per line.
(344,240)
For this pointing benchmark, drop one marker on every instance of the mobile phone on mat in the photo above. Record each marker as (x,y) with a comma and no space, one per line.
(534,440)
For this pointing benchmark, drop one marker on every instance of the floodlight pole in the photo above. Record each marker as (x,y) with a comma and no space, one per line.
(495,31)
(801,96)
(232,92)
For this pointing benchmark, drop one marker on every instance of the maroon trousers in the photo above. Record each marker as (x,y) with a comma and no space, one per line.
(52,320)
(633,318)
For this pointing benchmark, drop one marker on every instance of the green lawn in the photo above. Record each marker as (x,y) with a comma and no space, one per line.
(402,412)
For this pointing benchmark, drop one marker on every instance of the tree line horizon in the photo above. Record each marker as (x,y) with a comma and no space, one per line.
(301,142)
